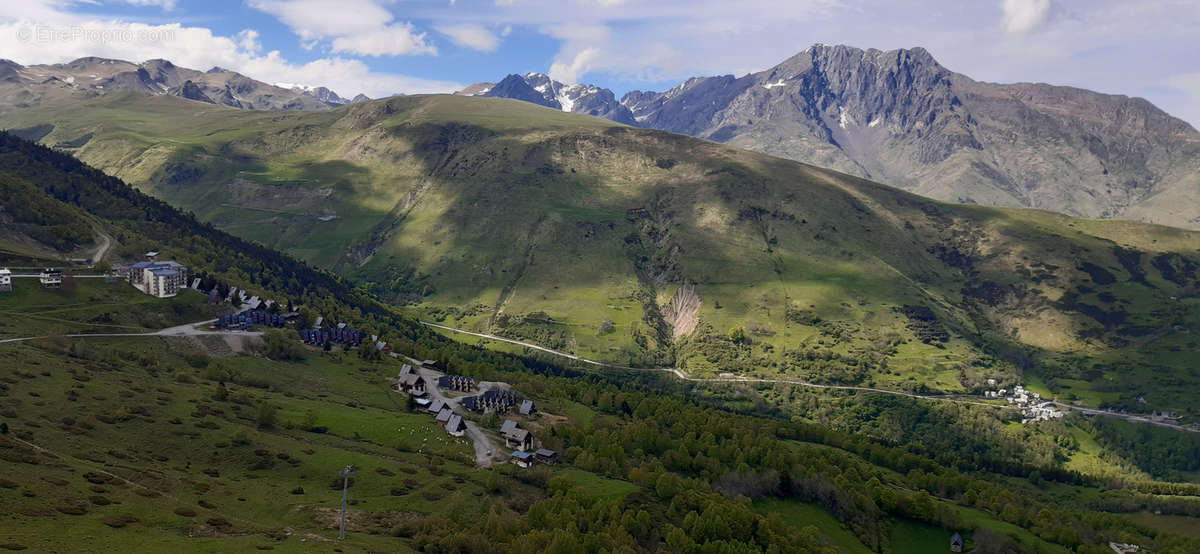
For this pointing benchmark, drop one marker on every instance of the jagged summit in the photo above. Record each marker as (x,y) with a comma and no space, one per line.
(539,88)
(900,117)
(91,76)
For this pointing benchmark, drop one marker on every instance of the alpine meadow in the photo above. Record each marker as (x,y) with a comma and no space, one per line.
(534,315)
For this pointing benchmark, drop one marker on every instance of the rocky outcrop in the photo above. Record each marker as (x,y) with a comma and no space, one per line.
(901,118)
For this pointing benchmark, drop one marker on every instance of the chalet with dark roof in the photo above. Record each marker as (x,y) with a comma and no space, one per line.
(956,543)
(548,457)
(527,408)
(493,401)
(457,383)
(412,384)
(456,426)
(444,416)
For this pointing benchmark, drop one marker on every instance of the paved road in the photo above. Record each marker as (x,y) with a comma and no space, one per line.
(941,398)
(485,451)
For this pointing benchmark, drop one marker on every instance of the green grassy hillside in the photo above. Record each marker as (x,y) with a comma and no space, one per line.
(198,444)
(573,232)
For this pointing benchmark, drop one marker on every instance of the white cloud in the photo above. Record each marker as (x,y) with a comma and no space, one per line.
(64,37)
(166,5)
(1022,16)
(247,39)
(471,35)
(353,26)
(393,40)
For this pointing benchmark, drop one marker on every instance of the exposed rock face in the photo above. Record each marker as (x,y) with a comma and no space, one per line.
(192,91)
(901,118)
(544,91)
(93,76)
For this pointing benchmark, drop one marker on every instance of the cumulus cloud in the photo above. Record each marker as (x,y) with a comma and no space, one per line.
(471,35)
(1022,16)
(391,40)
(352,26)
(166,5)
(65,37)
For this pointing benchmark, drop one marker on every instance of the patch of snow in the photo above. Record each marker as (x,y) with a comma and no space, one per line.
(875,122)
(770,86)
(540,88)
(844,118)
(565,101)
(70,80)
(293,86)
(483,91)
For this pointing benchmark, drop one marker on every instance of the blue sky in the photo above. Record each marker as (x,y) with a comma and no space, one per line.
(381,47)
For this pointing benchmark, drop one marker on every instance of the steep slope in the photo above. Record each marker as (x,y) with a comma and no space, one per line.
(901,118)
(575,232)
(51,85)
(540,89)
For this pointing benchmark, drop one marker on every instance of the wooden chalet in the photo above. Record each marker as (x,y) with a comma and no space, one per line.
(456,426)
(548,457)
(412,383)
(522,459)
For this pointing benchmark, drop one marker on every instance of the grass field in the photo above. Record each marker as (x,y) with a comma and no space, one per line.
(800,514)
(96,306)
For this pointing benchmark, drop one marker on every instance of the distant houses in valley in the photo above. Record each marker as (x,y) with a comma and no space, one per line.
(161,279)
(340,335)
(246,321)
(5,280)
(456,383)
(492,401)
(51,278)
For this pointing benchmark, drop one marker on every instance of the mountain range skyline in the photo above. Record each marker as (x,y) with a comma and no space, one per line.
(430,46)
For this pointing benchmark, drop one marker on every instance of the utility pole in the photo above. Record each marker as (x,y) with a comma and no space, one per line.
(345,487)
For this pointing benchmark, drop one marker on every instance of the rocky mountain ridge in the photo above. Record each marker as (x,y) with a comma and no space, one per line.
(901,118)
(540,89)
(21,86)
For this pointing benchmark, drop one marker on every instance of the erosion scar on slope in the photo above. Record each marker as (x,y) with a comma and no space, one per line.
(683,312)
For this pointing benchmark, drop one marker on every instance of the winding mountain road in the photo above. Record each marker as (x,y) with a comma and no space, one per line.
(940,398)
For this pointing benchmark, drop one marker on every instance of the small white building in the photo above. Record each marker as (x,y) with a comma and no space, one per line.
(51,278)
(5,280)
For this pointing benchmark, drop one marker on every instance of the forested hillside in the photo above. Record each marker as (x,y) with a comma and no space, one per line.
(644,248)
(161,442)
